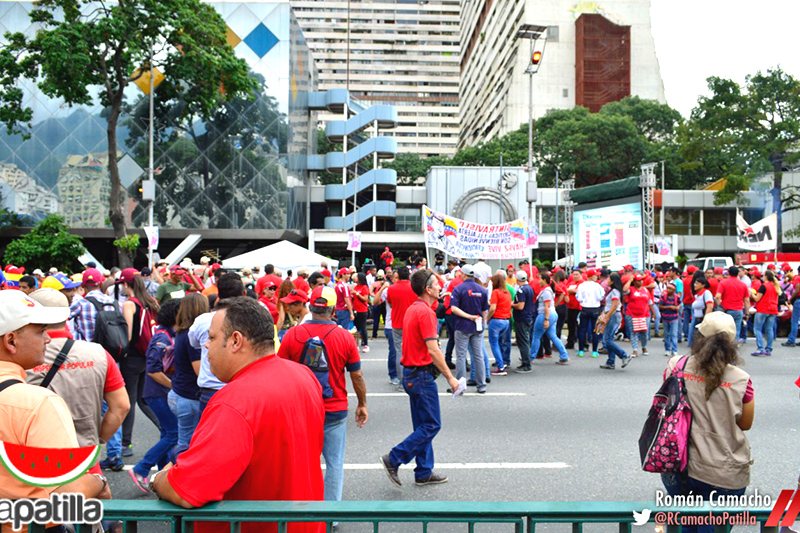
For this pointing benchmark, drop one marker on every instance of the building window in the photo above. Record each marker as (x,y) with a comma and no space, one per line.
(682,221)
(719,222)
(408,219)
(549,220)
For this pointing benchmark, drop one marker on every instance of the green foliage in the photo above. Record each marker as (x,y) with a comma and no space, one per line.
(411,166)
(129,243)
(49,244)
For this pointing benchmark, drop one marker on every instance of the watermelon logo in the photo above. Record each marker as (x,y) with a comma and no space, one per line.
(47,467)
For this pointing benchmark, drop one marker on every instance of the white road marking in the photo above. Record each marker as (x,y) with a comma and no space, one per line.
(449,466)
(442,394)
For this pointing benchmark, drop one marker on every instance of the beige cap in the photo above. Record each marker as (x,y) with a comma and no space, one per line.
(18,310)
(717,322)
(50,297)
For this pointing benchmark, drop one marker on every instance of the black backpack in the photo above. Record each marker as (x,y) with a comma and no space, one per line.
(111,329)
(315,357)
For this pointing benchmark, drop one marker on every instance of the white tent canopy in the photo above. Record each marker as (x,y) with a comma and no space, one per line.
(657,259)
(284,255)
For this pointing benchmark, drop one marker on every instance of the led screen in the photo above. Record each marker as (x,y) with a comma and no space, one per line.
(609,237)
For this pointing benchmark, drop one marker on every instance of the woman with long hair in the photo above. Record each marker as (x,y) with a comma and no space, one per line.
(361,309)
(546,320)
(139,310)
(610,319)
(703,303)
(285,319)
(499,321)
(766,298)
(722,401)
(182,397)
(638,301)
(560,281)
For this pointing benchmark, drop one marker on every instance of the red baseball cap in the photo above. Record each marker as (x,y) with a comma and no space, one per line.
(177,269)
(638,277)
(786,266)
(92,276)
(11,269)
(127,275)
(215,267)
(269,284)
(295,296)
(691,269)
(770,267)
(325,272)
(591,272)
(343,272)
(628,267)
(718,270)
(659,274)
(755,271)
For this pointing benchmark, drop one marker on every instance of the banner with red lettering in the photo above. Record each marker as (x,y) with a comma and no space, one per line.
(469,240)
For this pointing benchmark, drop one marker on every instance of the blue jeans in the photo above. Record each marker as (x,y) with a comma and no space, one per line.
(114,444)
(765,324)
(655,312)
(486,364)
(613,349)
(795,321)
(586,328)
(343,319)
(671,335)
(423,395)
(188,413)
(692,324)
(683,485)
(539,331)
(205,397)
(392,354)
(687,321)
(163,451)
(500,341)
(737,319)
(333,451)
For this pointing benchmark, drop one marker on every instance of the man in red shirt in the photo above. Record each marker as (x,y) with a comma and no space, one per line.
(573,308)
(422,362)
(400,296)
(734,297)
(261,435)
(342,355)
(301,281)
(269,275)
(688,299)
(387,257)
(344,302)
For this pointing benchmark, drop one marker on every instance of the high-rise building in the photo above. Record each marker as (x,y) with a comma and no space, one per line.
(401,52)
(596,52)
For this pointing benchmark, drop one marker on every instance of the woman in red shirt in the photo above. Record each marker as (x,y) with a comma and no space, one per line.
(573,308)
(638,299)
(766,299)
(500,324)
(361,309)
(560,280)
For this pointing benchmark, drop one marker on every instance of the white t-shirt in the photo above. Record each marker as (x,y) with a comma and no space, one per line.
(590,294)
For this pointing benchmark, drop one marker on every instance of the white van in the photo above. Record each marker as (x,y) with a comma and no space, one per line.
(704,263)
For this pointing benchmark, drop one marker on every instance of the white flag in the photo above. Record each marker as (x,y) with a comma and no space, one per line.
(152,237)
(354,241)
(760,236)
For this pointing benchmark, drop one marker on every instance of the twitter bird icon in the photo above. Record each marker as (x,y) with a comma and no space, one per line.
(641,519)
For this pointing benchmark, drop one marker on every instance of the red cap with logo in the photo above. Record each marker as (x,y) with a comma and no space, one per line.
(295,296)
(718,270)
(325,272)
(127,275)
(786,267)
(92,276)
(691,269)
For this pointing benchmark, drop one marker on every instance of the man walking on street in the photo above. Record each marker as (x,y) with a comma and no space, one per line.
(469,302)
(400,296)
(422,362)
(523,307)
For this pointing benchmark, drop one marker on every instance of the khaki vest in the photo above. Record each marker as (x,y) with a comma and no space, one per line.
(719,452)
(80,382)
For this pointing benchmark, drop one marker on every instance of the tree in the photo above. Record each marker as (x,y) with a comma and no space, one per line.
(85,47)
(739,133)
(411,167)
(49,244)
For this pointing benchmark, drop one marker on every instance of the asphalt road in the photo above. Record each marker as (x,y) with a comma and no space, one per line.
(558,434)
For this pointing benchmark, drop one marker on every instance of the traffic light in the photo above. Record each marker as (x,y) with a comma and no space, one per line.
(536,58)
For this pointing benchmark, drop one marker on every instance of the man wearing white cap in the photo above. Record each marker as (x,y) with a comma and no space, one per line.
(32,415)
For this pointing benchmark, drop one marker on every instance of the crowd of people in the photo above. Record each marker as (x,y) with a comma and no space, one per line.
(211,357)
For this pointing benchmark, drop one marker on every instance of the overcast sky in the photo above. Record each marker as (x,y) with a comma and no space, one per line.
(730,39)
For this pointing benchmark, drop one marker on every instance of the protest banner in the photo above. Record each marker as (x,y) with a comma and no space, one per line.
(469,240)
(759,236)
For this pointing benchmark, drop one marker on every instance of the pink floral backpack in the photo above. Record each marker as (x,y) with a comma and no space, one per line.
(664,443)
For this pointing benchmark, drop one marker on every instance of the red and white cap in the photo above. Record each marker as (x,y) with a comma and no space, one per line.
(295,296)
(17,310)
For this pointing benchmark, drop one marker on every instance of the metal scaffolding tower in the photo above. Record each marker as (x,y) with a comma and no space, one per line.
(647,182)
(567,186)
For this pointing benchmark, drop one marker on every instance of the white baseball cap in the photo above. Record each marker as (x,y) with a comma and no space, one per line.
(17,310)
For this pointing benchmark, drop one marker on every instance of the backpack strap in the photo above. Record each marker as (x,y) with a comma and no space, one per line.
(678,368)
(60,358)
(304,328)
(7,383)
(100,305)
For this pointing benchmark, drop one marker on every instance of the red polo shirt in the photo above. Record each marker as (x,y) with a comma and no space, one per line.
(732,293)
(263,281)
(419,326)
(400,296)
(301,284)
(688,290)
(572,302)
(342,354)
(260,438)
(360,306)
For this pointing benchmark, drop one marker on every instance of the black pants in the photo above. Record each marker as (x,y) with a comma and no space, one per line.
(378,311)
(572,327)
(361,325)
(586,332)
(561,310)
(450,324)
(523,331)
(133,367)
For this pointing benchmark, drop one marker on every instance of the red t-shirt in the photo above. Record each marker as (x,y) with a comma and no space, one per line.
(688,290)
(561,290)
(263,281)
(271,307)
(638,302)
(342,295)
(502,299)
(301,284)
(419,325)
(360,306)
(400,296)
(572,302)
(732,292)
(713,285)
(769,299)
(260,438)
(342,353)
(455,282)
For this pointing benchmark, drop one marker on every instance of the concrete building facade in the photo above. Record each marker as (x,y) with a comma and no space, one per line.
(494,96)
(401,52)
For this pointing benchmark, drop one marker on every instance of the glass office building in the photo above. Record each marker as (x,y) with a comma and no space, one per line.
(234,171)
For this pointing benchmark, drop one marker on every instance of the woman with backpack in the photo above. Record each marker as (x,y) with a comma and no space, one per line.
(183,397)
(139,310)
(157,384)
(721,398)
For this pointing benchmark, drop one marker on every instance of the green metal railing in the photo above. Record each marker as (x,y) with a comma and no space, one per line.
(524,516)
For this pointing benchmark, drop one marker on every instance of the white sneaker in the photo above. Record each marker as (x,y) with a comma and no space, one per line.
(365,349)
